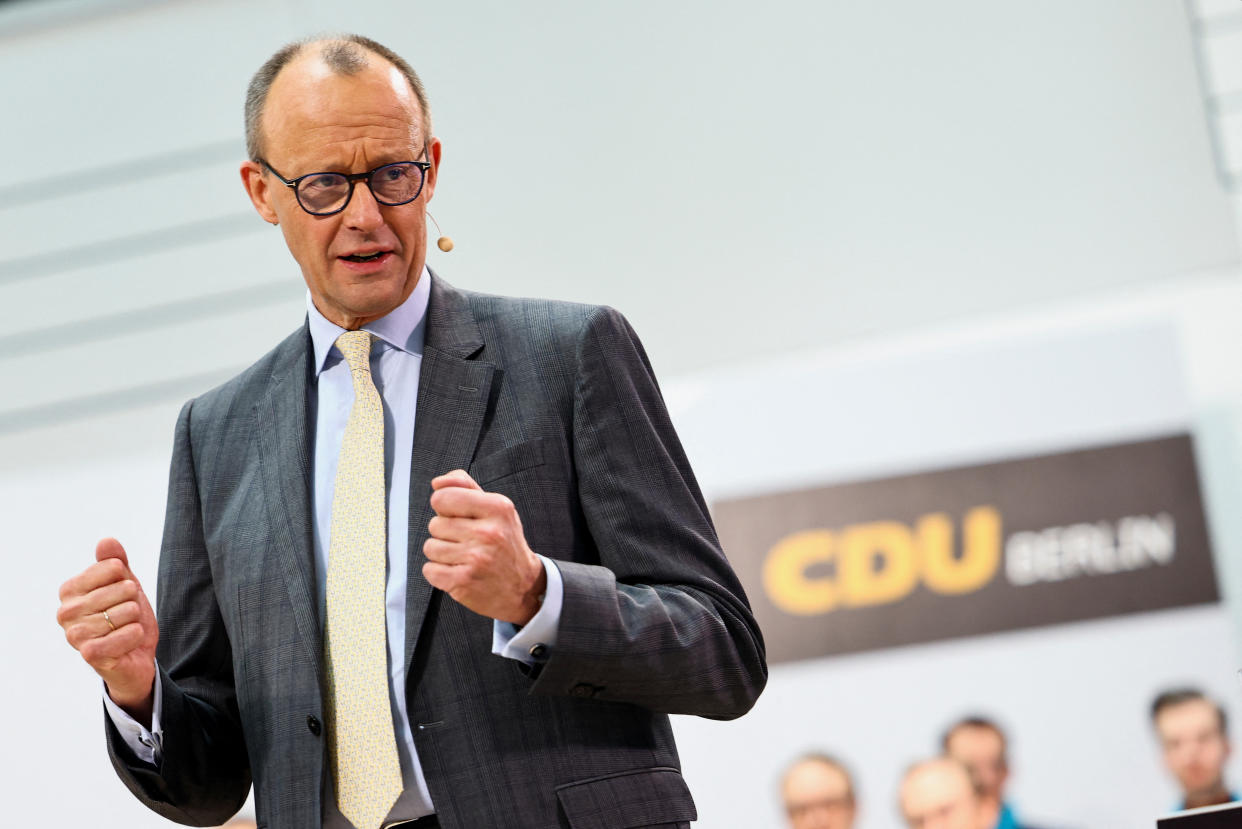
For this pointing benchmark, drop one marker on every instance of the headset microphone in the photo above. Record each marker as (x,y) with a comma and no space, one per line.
(444,243)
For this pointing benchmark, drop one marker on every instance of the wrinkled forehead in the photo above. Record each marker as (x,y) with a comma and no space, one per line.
(314,112)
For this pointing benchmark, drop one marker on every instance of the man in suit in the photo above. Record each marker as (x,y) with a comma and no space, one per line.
(549,584)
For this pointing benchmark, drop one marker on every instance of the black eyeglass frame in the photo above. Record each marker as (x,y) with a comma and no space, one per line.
(353,179)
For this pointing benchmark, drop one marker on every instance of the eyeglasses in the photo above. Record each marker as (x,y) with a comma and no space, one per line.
(323,194)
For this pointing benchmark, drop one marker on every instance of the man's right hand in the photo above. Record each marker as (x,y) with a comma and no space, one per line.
(121,645)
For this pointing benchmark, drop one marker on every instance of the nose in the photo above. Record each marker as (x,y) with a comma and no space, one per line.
(363,211)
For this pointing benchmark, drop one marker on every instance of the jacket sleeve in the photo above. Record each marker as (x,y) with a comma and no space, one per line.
(203,776)
(661,620)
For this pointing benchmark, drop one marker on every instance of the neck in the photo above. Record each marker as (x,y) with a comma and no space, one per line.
(1211,796)
(989,811)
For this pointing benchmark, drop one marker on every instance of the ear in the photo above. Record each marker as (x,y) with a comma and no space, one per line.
(259,190)
(433,155)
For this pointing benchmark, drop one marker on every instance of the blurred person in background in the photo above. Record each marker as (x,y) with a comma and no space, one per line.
(1194,741)
(979,744)
(818,793)
(941,794)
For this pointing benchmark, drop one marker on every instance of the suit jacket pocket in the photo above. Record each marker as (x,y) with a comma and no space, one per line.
(510,461)
(642,797)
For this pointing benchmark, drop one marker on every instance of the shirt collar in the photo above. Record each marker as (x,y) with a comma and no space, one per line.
(402,328)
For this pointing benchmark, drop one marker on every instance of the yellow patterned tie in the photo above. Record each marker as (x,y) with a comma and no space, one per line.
(366,771)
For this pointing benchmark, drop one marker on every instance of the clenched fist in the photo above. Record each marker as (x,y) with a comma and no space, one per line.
(108,619)
(478,553)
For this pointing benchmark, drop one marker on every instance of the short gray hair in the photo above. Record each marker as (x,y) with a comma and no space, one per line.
(344,54)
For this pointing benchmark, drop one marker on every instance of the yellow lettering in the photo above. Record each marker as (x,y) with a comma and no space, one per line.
(882,561)
(785,578)
(981,547)
(878,563)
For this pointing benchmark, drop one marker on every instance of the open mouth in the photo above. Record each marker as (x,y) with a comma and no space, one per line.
(370,257)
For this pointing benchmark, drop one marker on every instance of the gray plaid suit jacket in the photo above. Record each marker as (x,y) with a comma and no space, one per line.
(552,404)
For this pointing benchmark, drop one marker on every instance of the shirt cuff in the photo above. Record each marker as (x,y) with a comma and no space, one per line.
(536,638)
(147,745)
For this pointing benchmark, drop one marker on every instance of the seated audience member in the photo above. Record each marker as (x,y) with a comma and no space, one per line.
(1194,740)
(818,792)
(979,744)
(940,794)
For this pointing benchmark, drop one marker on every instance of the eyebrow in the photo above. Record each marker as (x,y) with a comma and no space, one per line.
(344,168)
(396,158)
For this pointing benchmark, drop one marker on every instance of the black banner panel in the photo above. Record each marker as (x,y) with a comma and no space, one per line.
(980,549)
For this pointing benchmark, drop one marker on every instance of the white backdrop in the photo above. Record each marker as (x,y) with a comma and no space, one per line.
(792,186)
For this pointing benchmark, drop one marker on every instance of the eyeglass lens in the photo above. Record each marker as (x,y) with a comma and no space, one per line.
(391,184)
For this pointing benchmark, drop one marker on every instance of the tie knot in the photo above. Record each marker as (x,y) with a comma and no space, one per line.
(355,347)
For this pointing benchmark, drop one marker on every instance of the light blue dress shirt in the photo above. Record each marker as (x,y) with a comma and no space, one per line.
(396,361)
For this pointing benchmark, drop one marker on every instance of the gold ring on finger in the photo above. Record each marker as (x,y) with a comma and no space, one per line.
(108,619)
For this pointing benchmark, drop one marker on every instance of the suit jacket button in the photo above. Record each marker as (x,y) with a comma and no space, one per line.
(581,690)
(313,724)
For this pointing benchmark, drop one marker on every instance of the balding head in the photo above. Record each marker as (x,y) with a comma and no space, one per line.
(940,794)
(347,54)
(361,256)
(818,793)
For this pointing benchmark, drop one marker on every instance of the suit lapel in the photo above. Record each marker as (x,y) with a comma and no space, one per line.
(284,457)
(453,394)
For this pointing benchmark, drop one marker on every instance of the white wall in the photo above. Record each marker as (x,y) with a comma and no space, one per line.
(746,183)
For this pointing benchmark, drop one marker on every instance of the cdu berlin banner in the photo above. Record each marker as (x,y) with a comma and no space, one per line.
(978,549)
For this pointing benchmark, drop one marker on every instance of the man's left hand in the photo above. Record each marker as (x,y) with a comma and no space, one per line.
(477,552)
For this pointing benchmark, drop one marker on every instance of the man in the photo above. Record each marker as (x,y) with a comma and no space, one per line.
(436,560)
(818,793)
(1194,741)
(980,745)
(940,794)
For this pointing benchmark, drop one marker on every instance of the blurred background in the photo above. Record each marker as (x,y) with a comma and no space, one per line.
(889,260)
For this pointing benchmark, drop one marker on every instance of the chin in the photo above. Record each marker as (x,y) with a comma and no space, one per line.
(375,297)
